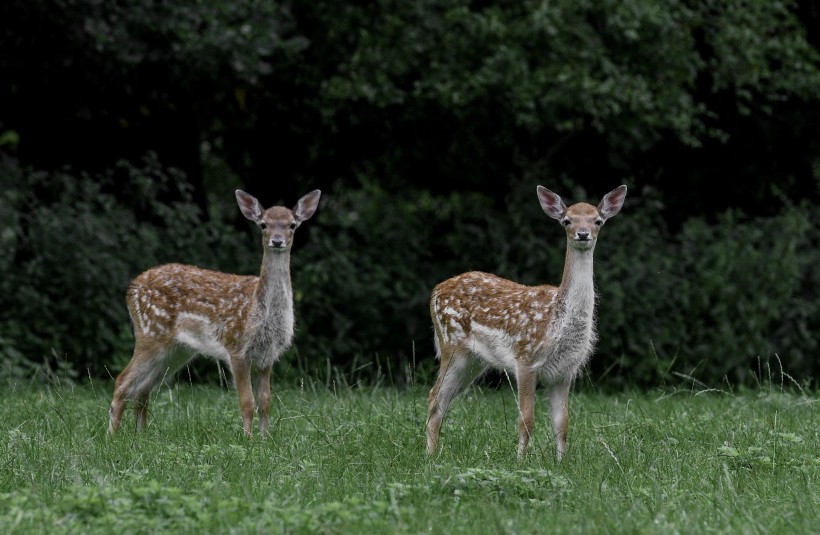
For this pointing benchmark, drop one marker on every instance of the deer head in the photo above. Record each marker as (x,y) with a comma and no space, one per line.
(582,221)
(278,224)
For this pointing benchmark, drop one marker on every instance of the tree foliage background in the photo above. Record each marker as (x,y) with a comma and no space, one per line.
(125,128)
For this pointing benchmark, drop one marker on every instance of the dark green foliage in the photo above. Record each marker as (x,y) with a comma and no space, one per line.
(203,39)
(363,281)
(427,124)
(71,245)
(562,66)
(712,300)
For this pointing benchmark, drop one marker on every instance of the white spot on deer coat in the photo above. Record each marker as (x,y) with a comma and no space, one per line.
(450,311)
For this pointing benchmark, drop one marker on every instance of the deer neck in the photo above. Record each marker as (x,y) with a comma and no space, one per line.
(274,289)
(577,290)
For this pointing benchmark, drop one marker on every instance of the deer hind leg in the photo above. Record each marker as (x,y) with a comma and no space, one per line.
(141,410)
(527,380)
(241,370)
(145,371)
(117,407)
(124,388)
(457,371)
(559,409)
(263,399)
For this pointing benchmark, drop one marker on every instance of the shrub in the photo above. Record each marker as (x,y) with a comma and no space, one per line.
(709,300)
(72,243)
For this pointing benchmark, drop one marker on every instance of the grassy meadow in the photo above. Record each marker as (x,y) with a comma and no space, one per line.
(351,460)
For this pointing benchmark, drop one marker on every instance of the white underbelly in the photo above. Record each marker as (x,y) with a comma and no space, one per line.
(492,346)
(203,345)
(197,333)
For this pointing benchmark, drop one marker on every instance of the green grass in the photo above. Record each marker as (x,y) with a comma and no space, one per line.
(352,461)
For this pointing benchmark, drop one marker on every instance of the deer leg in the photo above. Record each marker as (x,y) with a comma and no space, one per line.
(559,408)
(435,414)
(122,393)
(263,399)
(141,410)
(134,382)
(527,380)
(455,374)
(116,409)
(242,379)
(120,399)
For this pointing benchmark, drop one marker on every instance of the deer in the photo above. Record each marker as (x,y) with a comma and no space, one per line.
(179,311)
(483,321)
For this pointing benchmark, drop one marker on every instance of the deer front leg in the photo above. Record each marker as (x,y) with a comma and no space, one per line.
(263,399)
(242,379)
(559,409)
(527,380)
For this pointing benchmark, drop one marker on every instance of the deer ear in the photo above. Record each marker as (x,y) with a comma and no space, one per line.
(307,205)
(551,203)
(249,205)
(612,202)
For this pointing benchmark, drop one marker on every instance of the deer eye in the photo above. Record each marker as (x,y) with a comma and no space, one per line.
(566,222)
(599,222)
(263,225)
(293,226)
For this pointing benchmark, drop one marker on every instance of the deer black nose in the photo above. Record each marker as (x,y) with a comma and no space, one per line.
(583,235)
(277,242)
